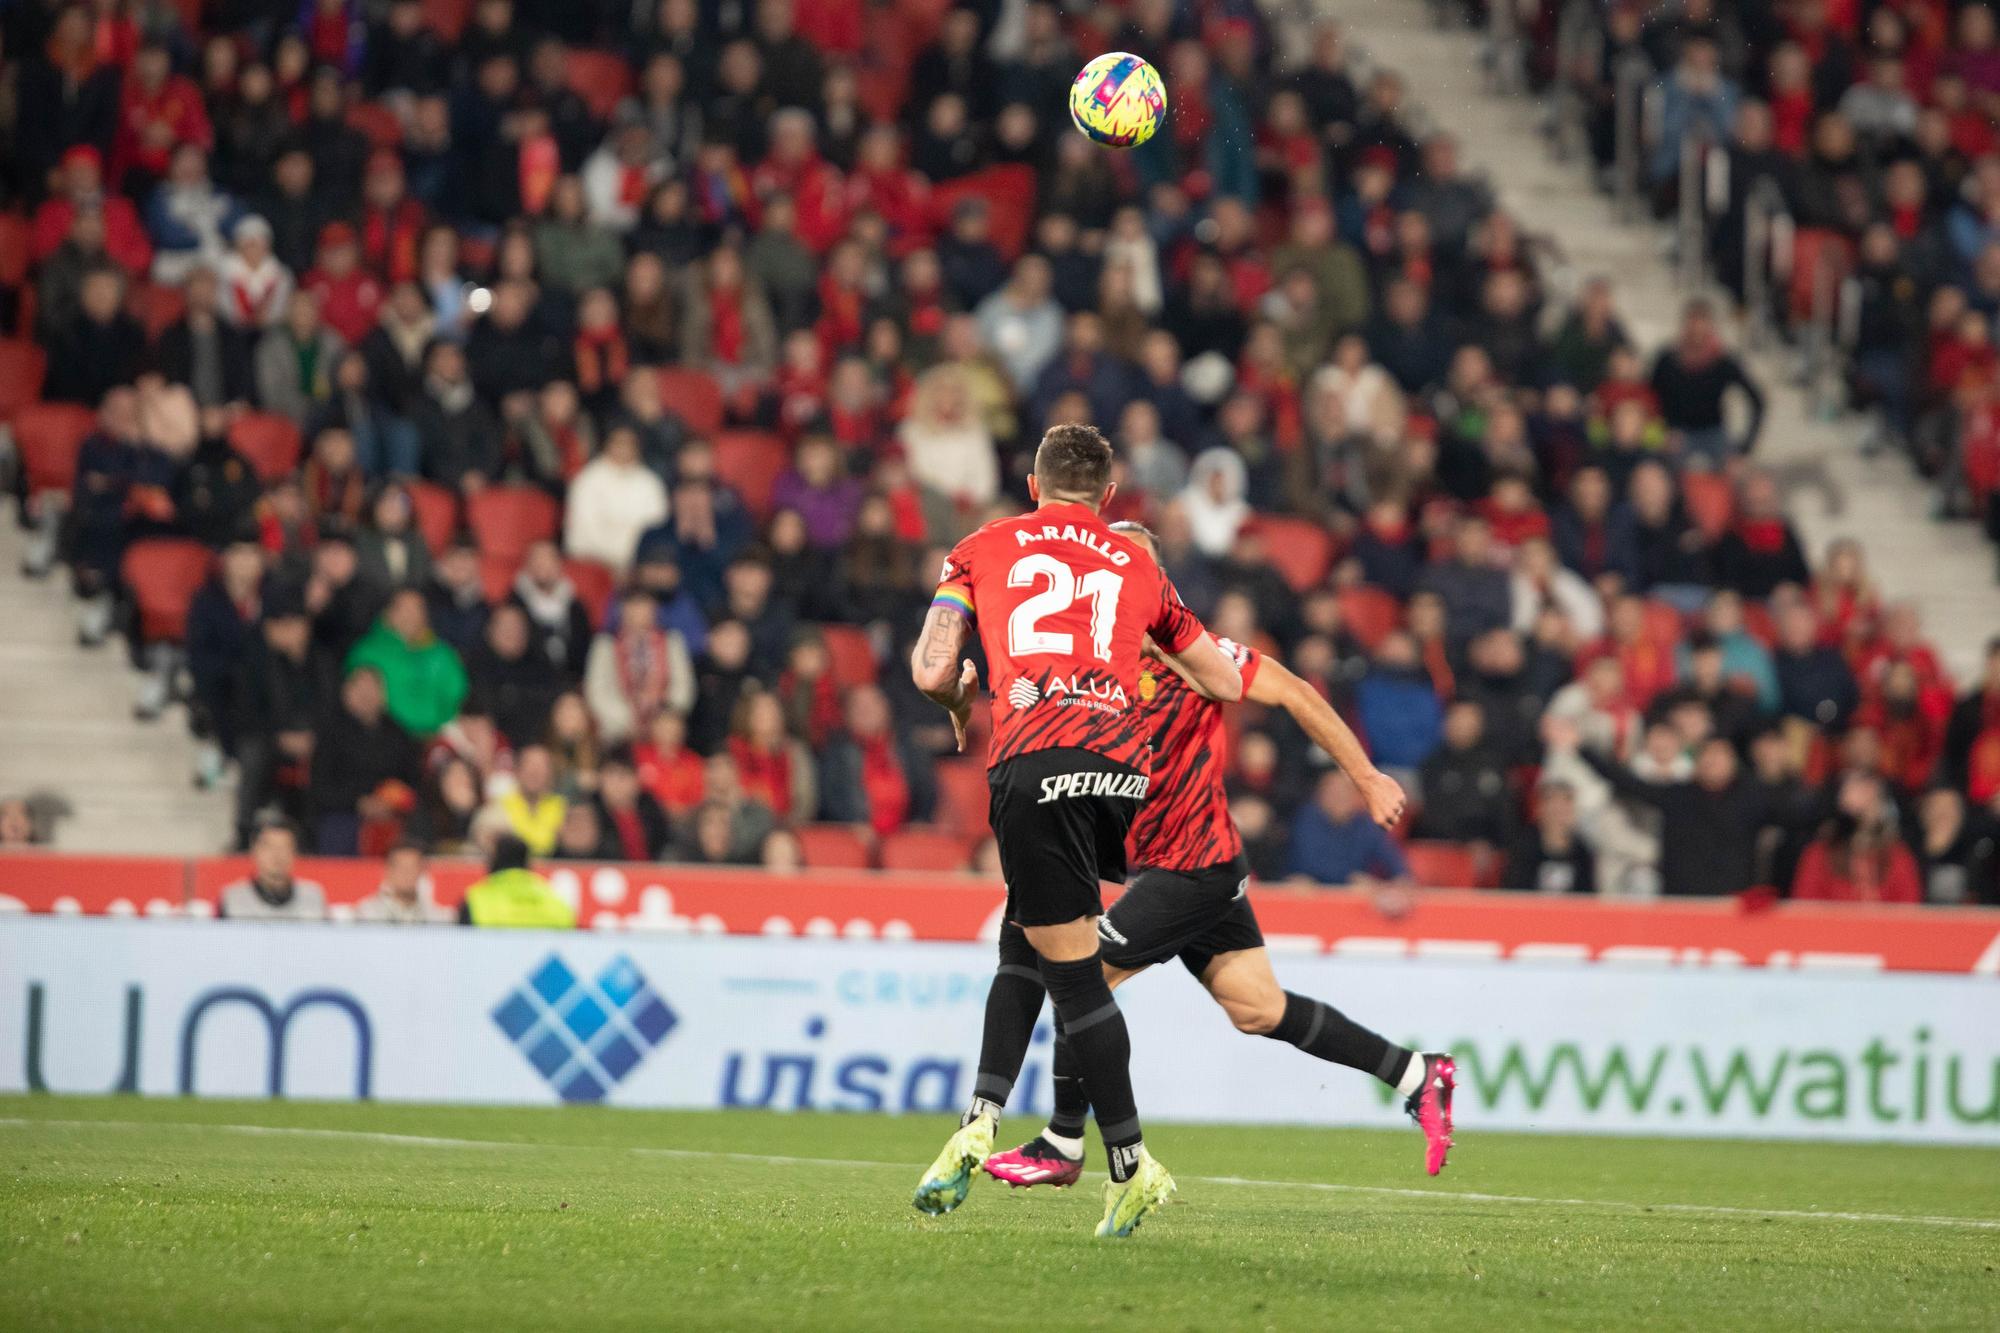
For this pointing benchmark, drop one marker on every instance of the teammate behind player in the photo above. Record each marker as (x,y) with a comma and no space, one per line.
(1189,900)
(1062,604)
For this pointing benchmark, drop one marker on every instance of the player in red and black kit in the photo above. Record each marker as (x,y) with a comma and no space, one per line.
(1062,604)
(1189,901)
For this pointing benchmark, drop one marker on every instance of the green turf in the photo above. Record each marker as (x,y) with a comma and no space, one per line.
(122,1214)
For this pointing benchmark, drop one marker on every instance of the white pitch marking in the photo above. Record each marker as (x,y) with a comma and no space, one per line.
(772,1159)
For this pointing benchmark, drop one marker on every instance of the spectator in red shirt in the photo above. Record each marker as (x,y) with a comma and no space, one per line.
(350,297)
(392,221)
(80,190)
(1859,857)
(160,111)
(667,767)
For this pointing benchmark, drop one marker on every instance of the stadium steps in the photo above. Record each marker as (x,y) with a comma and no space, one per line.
(1833,490)
(66,727)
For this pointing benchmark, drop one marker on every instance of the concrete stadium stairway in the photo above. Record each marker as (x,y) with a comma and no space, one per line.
(66,727)
(1945,568)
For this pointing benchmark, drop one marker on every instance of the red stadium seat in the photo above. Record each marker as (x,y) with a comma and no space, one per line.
(1711,503)
(268,442)
(1298,548)
(600,78)
(1443,865)
(853,654)
(496,576)
(594,585)
(16,243)
(507,520)
(1370,614)
(48,436)
(22,367)
(382,126)
(447,18)
(156,306)
(962,797)
(163,575)
(437,512)
(750,461)
(835,846)
(693,396)
(920,847)
(1009,192)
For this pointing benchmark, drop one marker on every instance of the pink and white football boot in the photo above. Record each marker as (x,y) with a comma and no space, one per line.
(1036,1162)
(1430,1107)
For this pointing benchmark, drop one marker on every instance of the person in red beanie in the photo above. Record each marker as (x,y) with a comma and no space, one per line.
(81,190)
(350,296)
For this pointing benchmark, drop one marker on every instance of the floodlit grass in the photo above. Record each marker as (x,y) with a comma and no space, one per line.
(127,1214)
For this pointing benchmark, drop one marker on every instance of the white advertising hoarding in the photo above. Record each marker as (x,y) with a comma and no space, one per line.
(449,1015)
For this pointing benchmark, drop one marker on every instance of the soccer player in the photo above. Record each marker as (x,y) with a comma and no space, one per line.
(1189,901)
(1062,604)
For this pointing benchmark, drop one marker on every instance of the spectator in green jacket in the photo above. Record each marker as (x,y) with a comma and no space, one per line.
(421,672)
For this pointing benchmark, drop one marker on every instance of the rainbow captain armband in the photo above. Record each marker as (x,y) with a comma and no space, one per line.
(953,599)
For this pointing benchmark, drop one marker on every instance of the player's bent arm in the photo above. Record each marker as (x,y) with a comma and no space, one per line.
(1276,685)
(1208,669)
(934,665)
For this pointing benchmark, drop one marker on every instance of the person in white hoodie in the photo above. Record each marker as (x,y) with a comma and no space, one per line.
(1213,500)
(945,441)
(256,286)
(613,499)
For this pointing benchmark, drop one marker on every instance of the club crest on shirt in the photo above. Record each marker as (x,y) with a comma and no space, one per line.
(1149,686)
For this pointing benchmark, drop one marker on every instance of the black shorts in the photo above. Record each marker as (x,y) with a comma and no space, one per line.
(1189,914)
(1060,819)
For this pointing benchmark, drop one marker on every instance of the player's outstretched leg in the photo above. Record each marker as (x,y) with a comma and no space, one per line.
(1430,1106)
(1242,983)
(1013,1003)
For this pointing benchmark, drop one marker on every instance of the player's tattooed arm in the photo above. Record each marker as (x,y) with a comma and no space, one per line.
(936,670)
(1275,685)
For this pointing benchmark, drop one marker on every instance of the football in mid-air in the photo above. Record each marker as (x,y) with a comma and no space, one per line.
(1118,100)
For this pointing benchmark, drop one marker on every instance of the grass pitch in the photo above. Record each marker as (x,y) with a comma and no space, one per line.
(126,1214)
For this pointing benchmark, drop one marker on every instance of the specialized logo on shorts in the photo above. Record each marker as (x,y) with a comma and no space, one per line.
(1118,786)
(1023,693)
(1242,887)
(1110,932)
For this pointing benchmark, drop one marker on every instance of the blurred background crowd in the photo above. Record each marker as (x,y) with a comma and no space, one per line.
(544,419)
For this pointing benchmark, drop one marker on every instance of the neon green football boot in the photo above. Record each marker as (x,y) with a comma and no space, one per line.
(1128,1201)
(949,1178)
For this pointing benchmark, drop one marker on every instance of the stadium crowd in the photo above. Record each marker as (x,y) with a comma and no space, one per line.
(577,405)
(1873,130)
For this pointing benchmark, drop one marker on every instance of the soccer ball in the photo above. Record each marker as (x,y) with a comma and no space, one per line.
(1118,100)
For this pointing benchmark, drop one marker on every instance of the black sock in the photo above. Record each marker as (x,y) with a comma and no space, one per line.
(1072,1106)
(1013,1003)
(1323,1031)
(1103,1050)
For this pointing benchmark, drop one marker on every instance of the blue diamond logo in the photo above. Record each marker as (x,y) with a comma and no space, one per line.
(515,1015)
(582,1087)
(620,981)
(653,1020)
(549,1054)
(617,1056)
(552,980)
(584,1036)
(585,1017)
